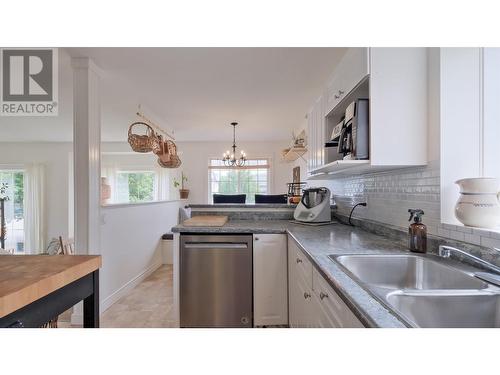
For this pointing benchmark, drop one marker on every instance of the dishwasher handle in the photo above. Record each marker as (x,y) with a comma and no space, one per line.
(215,245)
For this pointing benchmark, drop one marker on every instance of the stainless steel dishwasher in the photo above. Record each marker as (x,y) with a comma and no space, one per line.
(216,280)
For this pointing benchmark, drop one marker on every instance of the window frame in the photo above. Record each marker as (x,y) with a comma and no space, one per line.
(268,166)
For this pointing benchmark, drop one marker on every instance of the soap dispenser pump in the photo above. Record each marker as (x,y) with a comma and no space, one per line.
(417,232)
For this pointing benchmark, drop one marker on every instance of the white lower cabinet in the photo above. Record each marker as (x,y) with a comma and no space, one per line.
(270,283)
(334,311)
(312,302)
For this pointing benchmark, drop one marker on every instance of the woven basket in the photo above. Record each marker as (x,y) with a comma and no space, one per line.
(173,160)
(163,154)
(143,142)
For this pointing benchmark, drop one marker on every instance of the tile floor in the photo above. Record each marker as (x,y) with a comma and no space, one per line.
(148,305)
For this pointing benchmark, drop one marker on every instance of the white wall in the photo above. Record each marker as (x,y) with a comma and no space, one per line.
(55,157)
(130,240)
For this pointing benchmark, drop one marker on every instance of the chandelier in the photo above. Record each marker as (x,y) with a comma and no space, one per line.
(230,159)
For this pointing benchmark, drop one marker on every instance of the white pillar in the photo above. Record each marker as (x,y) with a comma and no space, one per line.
(87,155)
(86,161)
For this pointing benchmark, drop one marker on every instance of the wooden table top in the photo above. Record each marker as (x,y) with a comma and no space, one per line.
(27,278)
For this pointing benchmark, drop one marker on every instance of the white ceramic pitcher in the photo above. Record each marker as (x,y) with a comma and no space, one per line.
(479,202)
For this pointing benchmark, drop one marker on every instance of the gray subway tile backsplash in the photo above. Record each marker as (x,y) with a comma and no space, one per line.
(390,194)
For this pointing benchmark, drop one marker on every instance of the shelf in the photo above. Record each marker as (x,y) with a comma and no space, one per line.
(341,168)
(339,165)
(294,153)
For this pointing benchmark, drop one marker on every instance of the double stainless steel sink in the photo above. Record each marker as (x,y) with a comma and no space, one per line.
(425,292)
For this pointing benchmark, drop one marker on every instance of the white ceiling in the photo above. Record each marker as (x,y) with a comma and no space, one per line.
(196,92)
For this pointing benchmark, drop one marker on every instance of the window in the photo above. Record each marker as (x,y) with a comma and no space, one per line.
(136,186)
(251,179)
(13,182)
(133,178)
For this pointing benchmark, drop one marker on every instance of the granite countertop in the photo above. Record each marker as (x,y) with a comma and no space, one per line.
(239,226)
(319,242)
(246,205)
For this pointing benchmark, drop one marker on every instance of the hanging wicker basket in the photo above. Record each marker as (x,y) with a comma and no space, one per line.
(143,142)
(169,158)
(163,154)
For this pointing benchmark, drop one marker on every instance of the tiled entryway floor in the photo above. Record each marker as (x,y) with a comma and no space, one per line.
(148,305)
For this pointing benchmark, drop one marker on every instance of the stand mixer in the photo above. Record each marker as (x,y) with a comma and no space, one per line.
(314,207)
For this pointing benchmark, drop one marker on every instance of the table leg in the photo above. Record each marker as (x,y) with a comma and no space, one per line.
(91,305)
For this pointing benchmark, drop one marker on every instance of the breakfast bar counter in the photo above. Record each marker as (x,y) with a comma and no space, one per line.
(37,288)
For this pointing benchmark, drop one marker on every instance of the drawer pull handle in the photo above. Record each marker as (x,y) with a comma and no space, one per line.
(307,295)
(323,295)
(298,260)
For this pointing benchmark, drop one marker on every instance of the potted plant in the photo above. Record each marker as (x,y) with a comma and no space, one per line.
(184,193)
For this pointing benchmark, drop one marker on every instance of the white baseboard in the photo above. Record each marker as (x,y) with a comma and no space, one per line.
(122,291)
(77,315)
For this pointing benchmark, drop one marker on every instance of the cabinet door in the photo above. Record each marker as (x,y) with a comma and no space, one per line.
(316,121)
(300,266)
(398,106)
(300,301)
(310,141)
(318,317)
(297,304)
(321,131)
(353,67)
(332,93)
(270,279)
(333,312)
(313,139)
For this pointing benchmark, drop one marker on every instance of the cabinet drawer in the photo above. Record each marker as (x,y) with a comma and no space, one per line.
(302,267)
(337,312)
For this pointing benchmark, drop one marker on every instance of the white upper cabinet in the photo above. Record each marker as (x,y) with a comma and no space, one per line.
(395,82)
(398,106)
(316,131)
(310,141)
(351,70)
